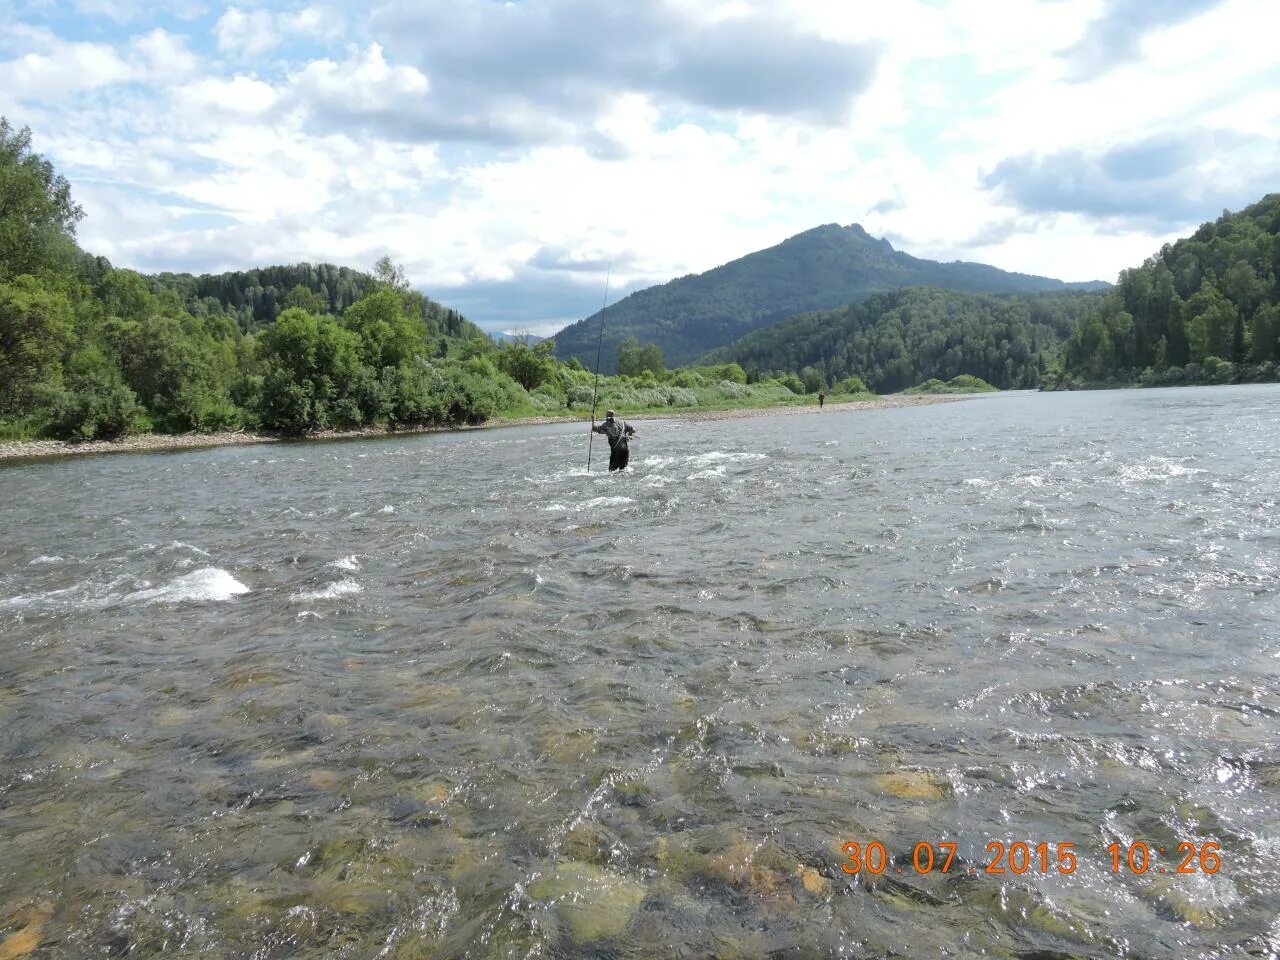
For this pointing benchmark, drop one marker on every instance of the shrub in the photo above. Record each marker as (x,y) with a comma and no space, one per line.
(793,383)
(579,395)
(93,407)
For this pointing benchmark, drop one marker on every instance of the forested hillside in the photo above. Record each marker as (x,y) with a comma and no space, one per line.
(91,351)
(902,338)
(1203,310)
(827,267)
(255,297)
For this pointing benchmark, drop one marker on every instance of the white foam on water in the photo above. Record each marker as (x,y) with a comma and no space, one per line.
(571,474)
(342,588)
(605,502)
(43,559)
(712,473)
(86,595)
(351,563)
(593,503)
(977,482)
(206,585)
(1156,468)
(704,461)
(388,509)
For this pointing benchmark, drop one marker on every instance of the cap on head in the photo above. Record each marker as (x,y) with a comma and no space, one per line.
(608,413)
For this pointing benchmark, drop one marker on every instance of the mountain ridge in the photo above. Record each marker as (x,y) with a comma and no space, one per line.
(824,267)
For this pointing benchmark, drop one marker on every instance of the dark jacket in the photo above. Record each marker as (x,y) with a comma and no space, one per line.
(616,430)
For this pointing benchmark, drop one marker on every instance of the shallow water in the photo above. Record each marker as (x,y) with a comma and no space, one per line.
(449,696)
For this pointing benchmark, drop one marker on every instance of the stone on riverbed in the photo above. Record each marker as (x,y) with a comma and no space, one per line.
(24,941)
(596,904)
(912,785)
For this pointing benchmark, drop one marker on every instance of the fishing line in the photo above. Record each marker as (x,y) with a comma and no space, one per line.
(599,345)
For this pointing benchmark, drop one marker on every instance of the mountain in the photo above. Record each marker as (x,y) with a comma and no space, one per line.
(904,337)
(829,266)
(528,339)
(1205,309)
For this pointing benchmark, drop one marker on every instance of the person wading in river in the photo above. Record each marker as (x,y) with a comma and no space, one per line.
(617,431)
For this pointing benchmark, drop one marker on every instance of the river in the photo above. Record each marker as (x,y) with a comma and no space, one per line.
(450,696)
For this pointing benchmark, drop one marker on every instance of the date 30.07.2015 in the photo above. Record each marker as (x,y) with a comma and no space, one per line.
(1017,857)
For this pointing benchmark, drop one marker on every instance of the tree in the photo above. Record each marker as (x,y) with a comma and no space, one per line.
(634,359)
(35,328)
(528,367)
(650,358)
(1265,332)
(37,215)
(313,371)
(390,274)
(305,299)
(1210,320)
(811,377)
(389,334)
(629,357)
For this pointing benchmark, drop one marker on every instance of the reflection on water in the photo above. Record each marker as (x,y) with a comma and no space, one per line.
(450,696)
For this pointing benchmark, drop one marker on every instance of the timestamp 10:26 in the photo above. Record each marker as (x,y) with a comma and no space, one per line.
(1018,857)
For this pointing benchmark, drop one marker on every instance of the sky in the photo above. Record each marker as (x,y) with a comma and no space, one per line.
(510,155)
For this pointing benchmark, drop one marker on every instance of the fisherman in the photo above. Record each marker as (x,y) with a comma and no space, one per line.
(617,431)
(822,398)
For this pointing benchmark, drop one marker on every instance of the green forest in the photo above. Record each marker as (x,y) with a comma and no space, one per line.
(88,351)
(902,338)
(1205,309)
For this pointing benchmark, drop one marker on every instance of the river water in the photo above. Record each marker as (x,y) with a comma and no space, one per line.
(450,696)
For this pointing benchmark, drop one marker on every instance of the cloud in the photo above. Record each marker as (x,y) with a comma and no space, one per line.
(165,54)
(1115,37)
(65,68)
(62,68)
(1164,180)
(561,259)
(246,33)
(240,96)
(540,69)
(366,94)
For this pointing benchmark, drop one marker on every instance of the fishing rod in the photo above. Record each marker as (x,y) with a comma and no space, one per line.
(599,345)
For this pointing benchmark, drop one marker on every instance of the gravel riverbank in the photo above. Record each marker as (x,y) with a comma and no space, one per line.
(147,442)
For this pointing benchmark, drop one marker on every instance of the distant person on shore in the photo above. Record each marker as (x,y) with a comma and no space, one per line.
(617,431)
(822,398)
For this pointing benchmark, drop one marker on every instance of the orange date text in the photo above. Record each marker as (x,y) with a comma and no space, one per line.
(1018,857)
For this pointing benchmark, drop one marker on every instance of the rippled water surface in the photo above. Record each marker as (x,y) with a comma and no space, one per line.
(450,696)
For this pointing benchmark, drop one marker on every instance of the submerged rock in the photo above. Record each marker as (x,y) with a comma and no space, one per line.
(812,881)
(912,785)
(572,746)
(588,842)
(595,904)
(24,941)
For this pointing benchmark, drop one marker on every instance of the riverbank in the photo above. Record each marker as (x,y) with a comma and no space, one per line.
(151,442)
